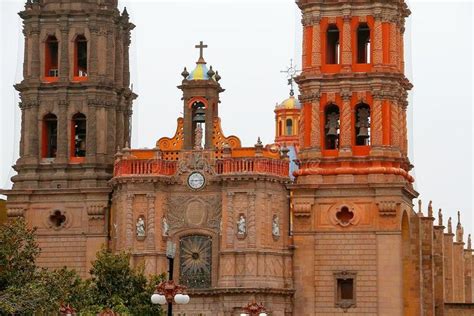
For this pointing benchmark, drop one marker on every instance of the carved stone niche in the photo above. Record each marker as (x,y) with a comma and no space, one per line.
(344,215)
(345,289)
(388,208)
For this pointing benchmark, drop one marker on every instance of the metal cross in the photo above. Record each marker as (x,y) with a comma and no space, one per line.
(201,47)
(291,73)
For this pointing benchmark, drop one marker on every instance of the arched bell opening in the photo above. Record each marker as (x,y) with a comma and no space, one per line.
(362,125)
(331,126)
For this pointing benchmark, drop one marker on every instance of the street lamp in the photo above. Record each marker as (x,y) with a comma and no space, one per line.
(168,291)
(254,309)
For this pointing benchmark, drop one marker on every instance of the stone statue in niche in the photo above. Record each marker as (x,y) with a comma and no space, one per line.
(241,226)
(165,228)
(140,225)
(276,226)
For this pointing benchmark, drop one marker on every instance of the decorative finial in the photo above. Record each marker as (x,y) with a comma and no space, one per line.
(469,242)
(211,72)
(459,229)
(440,217)
(291,73)
(217,76)
(430,209)
(125,12)
(420,211)
(201,47)
(185,73)
(259,141)
(450,226)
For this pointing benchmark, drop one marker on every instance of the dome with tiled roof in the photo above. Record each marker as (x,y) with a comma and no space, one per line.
(199,73)
(290,103)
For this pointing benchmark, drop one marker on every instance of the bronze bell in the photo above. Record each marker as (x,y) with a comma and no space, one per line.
(199,116)
(363,132)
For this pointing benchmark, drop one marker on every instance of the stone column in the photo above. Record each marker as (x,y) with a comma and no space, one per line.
(110,66)
(62,151)
(91,132)
(34,129)
(64,52)
(458,272)
(448,266)
(93,68)
(119,58)
(427,269)
(25,55)
(230,234)
(395,124)
(377,121)
(129,231)
(126,63)
(346,124)
(404,129)
(316,58)
(468,275)
(150,235)
(378,48)
(252,227)
(438,257)
(346,45)
(35,55)
(315,124)
(393,44)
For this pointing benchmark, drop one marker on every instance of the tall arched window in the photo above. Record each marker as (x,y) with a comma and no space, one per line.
(78,133)
(363,44)
(332,45)
(51,57)
(362,126)
(80,56)
(289,127)
(332,124)
(49,137)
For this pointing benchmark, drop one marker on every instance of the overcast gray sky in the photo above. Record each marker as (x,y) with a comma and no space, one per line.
(249,43)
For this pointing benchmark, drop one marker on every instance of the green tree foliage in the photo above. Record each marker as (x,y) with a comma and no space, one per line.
(26,289)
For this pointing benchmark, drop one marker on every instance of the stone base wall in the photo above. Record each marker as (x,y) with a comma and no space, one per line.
(459,309)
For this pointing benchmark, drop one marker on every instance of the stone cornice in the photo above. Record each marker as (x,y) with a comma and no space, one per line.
(236,291)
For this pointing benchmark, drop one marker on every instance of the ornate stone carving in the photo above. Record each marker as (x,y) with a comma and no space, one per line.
(377,122)
(302,209)
(388,208)
(344,215)
(191,211)
(96,211)
(195,161)
(16,212)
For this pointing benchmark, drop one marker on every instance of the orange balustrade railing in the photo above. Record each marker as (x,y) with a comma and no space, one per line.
(226,166)
(253,165)
(131,167)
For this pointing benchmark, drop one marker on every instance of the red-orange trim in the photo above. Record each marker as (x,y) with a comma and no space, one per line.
(355,171)
(50,79)
(77,78)
(307,124)
(308,49)
(76,160)
(198,99)
(386,42)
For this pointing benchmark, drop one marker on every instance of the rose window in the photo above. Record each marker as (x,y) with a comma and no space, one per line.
(195,261)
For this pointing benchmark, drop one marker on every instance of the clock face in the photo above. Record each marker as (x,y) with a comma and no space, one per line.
(196,180)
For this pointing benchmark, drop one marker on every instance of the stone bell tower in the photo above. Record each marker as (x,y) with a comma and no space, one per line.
(76,107)
(352,198)
(201,103)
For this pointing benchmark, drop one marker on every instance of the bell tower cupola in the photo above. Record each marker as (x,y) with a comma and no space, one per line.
(201,89)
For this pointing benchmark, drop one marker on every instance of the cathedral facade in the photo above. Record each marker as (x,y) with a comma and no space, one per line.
(321,222)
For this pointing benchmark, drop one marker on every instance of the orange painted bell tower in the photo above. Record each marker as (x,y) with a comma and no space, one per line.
(353,188)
